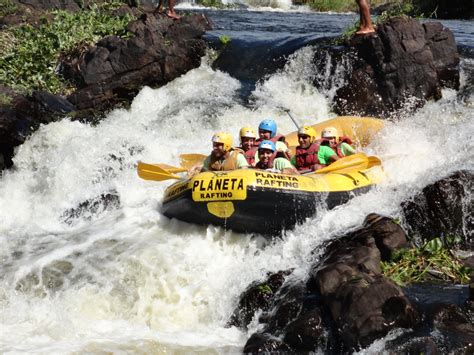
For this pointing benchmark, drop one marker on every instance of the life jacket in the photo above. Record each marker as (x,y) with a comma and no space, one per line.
(306,158)
(338,149)
(250,155)
(229,163)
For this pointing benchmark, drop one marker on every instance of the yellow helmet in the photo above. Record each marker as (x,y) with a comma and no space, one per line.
(308,131)
(329,132)
(224,138)
(247,132)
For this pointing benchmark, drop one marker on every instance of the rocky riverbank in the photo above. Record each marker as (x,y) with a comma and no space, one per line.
(346,303)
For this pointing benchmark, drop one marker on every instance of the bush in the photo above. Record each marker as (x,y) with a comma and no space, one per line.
(432,261)
(29,58)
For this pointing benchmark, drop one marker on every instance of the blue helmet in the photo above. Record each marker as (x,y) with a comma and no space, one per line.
(269,125)
(267,145)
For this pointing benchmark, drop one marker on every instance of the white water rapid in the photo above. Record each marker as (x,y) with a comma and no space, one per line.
(127,279)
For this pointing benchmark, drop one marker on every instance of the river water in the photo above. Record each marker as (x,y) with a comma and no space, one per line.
(79,275)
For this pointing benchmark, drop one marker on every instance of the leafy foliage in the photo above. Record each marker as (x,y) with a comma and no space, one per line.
(7,7)
(432,261)
(29,60)
(224,39)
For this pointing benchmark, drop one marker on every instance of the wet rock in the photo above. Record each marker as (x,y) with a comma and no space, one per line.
(363,304)
(306,333)
(20,115)
(287,306)
(445,208)
(456,326)
(421,345)
(388,235)
(88,209)
(265,343)
(115,69)
(258,296)
(401,66)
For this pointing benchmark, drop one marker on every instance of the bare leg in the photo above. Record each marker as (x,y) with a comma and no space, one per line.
(171,13)
(366,25)
(159,9)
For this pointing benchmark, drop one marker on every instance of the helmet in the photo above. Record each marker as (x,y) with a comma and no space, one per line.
(269,125)
(247,132)
(267,145)
(329,132)
(308,131)
(224,138)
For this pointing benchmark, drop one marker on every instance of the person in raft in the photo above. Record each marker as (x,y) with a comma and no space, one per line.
(223,156)
(306,158)
(267,160)
(338,146)
(267,130)
(247,144)
(365,22)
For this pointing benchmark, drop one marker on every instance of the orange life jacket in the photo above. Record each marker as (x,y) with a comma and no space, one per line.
(306,158)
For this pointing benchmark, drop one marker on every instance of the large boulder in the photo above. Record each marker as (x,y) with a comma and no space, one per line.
(21,115)
(444,208)
(401,66)
(115,69)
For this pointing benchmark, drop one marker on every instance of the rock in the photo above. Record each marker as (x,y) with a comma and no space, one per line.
(115,69)
(265,343)
(363,304)
(455,325)
(445,208)
(404,62)
(21,115)
(306,333)
(258,296)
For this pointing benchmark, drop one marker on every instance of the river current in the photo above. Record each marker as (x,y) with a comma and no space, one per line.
(88,263)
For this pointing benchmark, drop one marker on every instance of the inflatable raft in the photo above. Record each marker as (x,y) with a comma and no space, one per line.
(263,202)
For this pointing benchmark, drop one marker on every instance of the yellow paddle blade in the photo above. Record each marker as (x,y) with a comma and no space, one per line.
(190,160)
(170,168)
(359,160)
(154,172)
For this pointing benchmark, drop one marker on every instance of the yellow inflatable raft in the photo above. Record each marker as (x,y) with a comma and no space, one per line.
(256,201)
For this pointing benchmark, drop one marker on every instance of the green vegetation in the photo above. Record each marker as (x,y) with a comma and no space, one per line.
(29,55)
(434,261)
(211,3)
(225,39)
(5,100)
(7,7)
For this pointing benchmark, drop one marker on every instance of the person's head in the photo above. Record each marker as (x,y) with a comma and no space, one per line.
(267,129)
(331,134)
(306,136)
(266,150)
(247,138)
(221,143)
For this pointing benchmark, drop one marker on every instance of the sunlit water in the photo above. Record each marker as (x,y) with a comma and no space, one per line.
(129,279)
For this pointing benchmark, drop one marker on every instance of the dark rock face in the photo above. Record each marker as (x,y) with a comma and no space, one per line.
(258,296)
(406,62)
(363,304)
(116,69)
(346,301)
(443,208)
(21,115)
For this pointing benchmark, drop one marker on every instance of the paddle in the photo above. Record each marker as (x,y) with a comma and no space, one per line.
(290,115)
(155,172)
(360,160)
(190,160)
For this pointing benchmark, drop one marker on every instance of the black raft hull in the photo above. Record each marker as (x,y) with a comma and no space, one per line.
(250,201)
